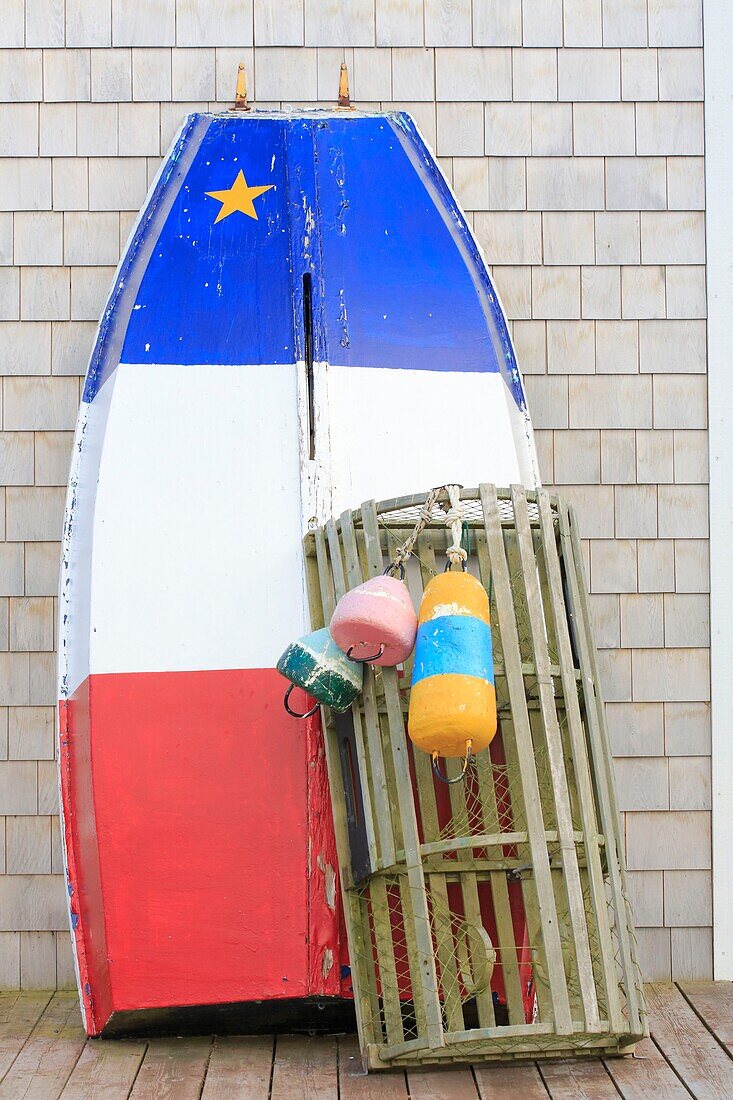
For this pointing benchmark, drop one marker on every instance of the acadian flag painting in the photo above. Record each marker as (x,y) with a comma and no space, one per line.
(301,321)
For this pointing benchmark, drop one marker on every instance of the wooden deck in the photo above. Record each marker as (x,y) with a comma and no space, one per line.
(44,1055)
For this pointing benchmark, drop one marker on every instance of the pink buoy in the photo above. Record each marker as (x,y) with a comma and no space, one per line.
(376,622)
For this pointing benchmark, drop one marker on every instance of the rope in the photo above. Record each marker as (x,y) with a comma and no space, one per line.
(456,554)
(403,552)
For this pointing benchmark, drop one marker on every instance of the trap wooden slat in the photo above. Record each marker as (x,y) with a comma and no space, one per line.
(365,996)
(499,885)
(386,958)
(469,890)
(525,753)
(379,908)
(600,751)
(532,819)
(581,767)
(354,576)
(546,691)
(516,792)
(378,768)
(438,887)
(423,972)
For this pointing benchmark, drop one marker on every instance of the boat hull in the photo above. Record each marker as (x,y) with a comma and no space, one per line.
(274,349)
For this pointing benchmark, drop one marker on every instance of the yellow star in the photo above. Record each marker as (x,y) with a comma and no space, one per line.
(239,197)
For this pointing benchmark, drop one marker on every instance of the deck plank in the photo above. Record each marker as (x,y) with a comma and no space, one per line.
(50,1053)
(356,1084)
(19,1014)
(106,1067)
(522,1080)
(713,1001)
(435,1083)
(46,1056)
(305,1068)
(687,1044)
(172,1069)
(646,1076)
(578,1080)
(240,1066)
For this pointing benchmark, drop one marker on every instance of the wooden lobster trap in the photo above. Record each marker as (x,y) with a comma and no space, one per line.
(488,918)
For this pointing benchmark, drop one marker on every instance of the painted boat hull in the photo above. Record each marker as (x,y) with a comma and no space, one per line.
(264,359)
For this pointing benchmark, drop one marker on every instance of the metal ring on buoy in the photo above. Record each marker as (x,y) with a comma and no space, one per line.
(395,566)
(364,660)
(449,566)
(459,778)
(293,713)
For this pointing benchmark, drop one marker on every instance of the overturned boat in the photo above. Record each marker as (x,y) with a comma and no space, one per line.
(300,315)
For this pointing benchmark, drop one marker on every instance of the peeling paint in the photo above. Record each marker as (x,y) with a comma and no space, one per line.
(330,884)
(343,319)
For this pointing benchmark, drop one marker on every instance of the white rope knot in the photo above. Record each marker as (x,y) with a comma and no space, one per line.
(454,519)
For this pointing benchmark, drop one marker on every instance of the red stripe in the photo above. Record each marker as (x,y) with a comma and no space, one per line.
(189,800)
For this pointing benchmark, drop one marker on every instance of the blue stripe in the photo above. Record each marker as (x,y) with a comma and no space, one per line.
(453,644)
(498,330)
(404,284)
(119,308)
(356,202)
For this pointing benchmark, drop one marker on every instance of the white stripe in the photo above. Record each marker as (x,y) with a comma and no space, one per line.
(191,546)
(197,559)
(394,432)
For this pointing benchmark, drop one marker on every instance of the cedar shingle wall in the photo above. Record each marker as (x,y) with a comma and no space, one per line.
(573,134)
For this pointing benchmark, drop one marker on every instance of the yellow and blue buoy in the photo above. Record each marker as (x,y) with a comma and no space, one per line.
(453,701)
